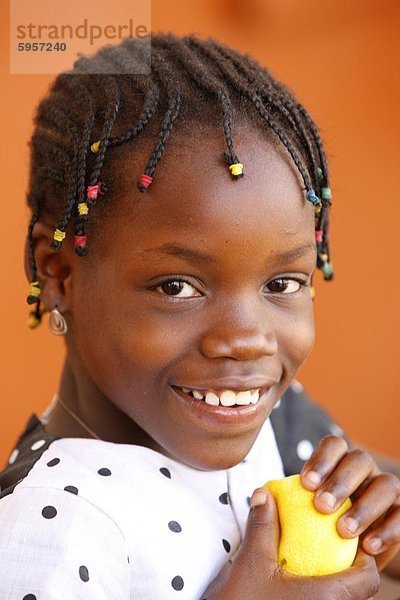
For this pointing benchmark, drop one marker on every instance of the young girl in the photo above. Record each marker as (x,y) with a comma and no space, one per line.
(177,221)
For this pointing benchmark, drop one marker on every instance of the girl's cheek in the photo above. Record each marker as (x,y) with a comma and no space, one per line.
(297,340)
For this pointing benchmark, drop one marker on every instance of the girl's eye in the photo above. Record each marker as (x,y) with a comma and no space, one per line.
(177,288)
(285,286)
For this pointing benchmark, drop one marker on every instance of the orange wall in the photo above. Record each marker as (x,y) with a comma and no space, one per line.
(342,57)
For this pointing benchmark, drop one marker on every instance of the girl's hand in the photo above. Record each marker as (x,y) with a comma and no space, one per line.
(255,572)
(335,473)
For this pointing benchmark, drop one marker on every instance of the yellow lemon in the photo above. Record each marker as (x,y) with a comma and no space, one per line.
(310,544)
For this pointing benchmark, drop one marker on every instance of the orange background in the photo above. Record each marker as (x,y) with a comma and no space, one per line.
(342,58)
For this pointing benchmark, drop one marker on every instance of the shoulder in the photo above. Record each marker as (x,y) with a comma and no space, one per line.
(299,424)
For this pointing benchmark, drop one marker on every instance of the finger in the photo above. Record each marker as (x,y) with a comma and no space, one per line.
(352,470)
(361,581)
(385,535)
(323,461)
(261,539)
(380,495)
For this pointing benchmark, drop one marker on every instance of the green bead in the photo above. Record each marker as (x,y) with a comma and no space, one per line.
(326,193)
(320,173)
(327,269)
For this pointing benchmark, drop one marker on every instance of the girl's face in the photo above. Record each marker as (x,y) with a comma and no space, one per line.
(199,285)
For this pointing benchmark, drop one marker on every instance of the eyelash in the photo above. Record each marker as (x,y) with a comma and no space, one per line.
(302,283)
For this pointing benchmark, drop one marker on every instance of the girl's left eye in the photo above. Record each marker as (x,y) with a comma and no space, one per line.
(177,288)
(285,286)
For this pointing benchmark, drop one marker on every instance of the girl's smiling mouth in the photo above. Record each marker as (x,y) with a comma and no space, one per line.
(225,405)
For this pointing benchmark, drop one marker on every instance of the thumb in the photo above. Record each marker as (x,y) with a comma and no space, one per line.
(261,540)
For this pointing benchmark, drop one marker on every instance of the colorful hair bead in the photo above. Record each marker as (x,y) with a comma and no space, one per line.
(236,169)
(312,197)
(59,235)
(34,320)
(34,292)
(319,235)
(80,241)
(312,292)
(83,209)
(320,173)
(327,270)
(326,193)
(324,257)
(144,182)
(318,209)
(94,190)
(95,147)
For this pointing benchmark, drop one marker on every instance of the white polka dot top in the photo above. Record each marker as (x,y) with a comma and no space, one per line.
(94,520)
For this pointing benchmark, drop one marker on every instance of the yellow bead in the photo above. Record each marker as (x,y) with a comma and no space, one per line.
(236,169)
(33,322)
(34,289)
(312,292)
(95,147)
(323,257)
(59,235)
(83,208)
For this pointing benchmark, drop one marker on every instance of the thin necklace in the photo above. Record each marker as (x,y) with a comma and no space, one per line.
(76,418)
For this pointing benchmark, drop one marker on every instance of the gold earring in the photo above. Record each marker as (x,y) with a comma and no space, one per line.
(57,322)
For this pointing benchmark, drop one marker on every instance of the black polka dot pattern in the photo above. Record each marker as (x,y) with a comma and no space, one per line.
(49,512)
(165,472)
(174,526)
(53,462)
(71,489)
(29,597)
(177,583)
(104,471)
(84,573)
(224,498)
(226,545)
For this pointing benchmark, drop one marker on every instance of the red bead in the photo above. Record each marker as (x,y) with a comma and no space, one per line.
(145,180)
(80,241)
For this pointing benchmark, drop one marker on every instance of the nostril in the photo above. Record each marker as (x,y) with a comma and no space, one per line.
(239,346)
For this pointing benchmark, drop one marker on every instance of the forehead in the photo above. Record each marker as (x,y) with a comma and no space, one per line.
(193,189)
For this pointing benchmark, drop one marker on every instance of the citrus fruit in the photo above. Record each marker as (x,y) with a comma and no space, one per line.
(309,544)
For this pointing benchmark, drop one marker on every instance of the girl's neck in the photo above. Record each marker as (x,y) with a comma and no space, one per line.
(85,401)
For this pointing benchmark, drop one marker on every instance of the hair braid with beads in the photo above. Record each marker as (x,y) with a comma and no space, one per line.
(86,115)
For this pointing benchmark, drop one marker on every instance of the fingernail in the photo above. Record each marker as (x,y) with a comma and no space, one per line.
(313,477)
(328,499)
(258,498)
(375,544)
(351,524)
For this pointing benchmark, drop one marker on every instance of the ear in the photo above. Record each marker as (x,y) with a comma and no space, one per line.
(53,267)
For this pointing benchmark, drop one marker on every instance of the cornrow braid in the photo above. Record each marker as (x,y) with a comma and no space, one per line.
(143,83)
(95,187)
(86,115)
(174,103)
(202,74)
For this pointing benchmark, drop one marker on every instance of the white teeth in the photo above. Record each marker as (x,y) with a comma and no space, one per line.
(212,399)
(228,398)
(243,398)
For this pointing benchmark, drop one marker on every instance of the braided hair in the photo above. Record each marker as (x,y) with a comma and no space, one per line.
(86,115)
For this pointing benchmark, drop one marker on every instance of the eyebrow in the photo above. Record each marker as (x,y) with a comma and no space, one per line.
(180,251)
(195,255)
(293,253)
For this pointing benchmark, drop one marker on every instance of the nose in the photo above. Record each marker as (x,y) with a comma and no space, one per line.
(240,335)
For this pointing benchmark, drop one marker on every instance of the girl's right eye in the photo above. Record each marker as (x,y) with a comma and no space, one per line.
(177,288)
